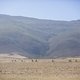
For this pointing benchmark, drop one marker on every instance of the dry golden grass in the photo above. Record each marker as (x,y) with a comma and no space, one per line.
(43,69)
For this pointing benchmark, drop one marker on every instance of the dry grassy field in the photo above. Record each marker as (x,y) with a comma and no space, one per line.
(40,69)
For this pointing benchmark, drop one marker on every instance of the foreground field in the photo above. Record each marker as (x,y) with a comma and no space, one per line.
(40,69)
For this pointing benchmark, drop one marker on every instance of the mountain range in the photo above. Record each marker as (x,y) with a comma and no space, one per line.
(39,38)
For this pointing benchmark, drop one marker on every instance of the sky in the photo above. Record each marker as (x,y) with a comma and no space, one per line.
(42,9)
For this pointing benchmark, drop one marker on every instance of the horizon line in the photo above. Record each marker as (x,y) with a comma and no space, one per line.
(39,18)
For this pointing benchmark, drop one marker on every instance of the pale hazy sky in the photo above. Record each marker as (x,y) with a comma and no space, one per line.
(43,9)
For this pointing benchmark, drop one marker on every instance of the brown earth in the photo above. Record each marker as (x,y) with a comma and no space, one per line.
(40,69)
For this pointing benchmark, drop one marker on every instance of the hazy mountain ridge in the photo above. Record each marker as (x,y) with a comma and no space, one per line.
(39,38)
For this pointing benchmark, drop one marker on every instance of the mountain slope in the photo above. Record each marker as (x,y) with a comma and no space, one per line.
(39,38)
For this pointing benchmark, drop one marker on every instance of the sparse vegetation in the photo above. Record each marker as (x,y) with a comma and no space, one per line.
(52,60)
(76,60)
(32,60)
(70,60)
(39,69)
(36,60)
